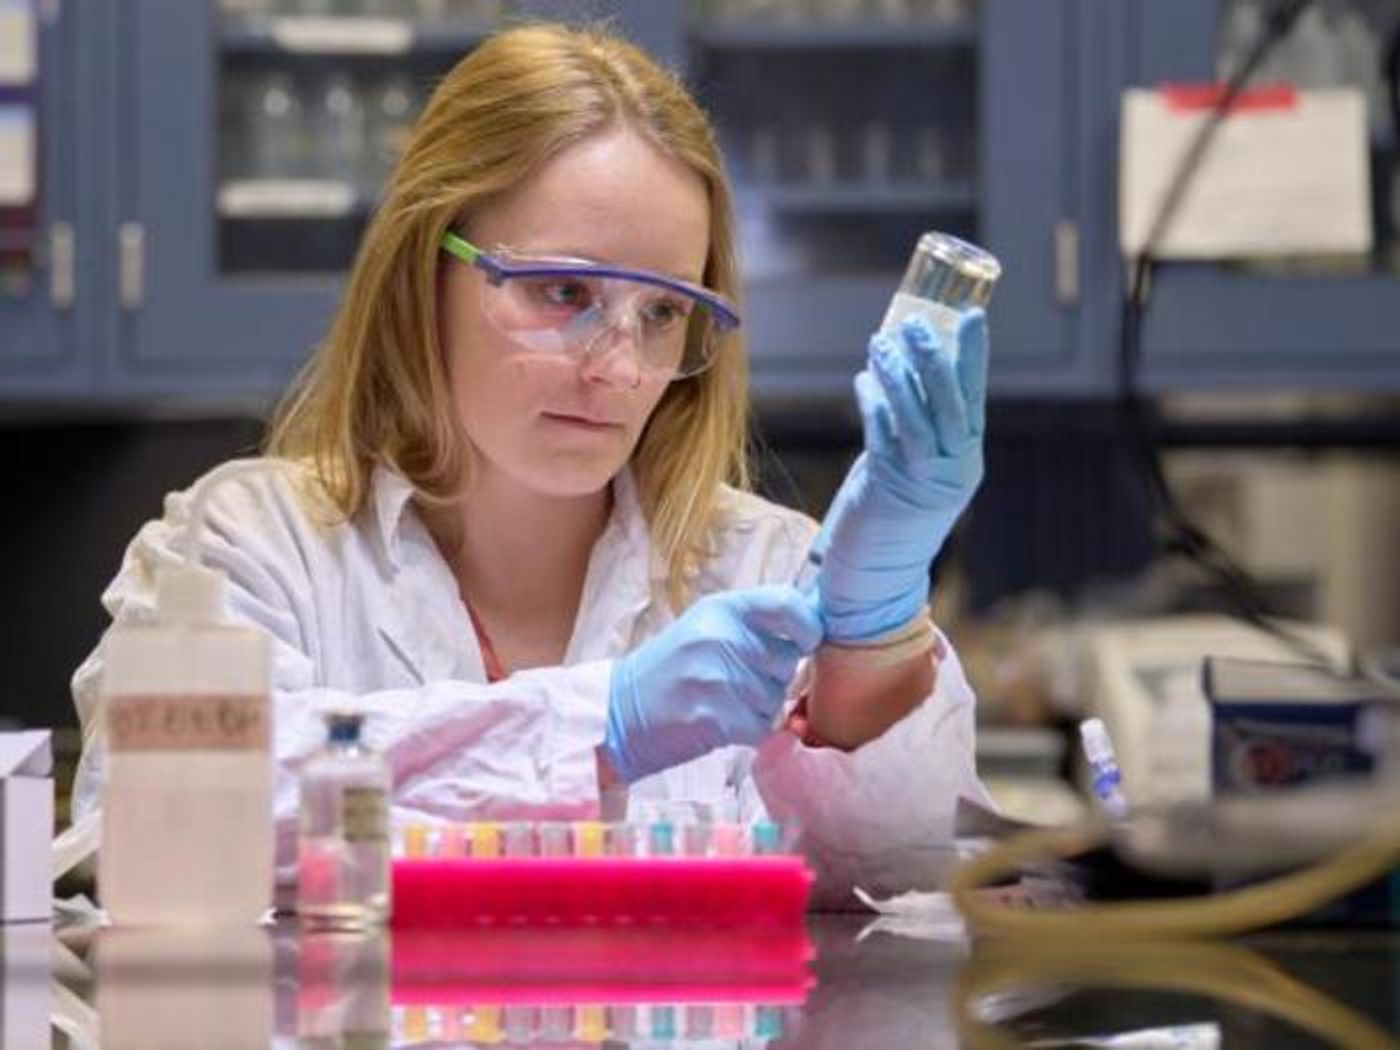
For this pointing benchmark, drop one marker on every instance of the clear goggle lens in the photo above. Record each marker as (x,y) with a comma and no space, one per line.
(670,333)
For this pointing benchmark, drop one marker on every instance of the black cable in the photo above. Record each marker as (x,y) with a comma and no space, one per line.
(1392,83)
(1178,533)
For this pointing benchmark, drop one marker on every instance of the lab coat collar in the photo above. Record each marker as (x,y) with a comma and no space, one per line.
(623,576)
(391,494)
(631,525)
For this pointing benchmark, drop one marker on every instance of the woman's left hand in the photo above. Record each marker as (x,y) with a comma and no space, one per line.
(923,412)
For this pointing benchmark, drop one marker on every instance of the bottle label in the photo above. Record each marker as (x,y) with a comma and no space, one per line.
(364,814)
(187,723)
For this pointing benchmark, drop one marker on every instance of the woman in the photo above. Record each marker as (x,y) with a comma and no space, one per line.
(505,511)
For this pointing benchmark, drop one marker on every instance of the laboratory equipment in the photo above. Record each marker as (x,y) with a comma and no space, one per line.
(187,836)
(1105,778)
(589,985)
(338,125)
(945,276)
(343,849)
(590,873)
(277,128)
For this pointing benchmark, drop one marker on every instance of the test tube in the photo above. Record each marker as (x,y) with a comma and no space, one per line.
(661,839)
(554,839)
(556,1024)
(622,840)
(591,1023)
(727,840)
(520,1023)
(663,1022)
(486,840)
(763,154)
(729,1021)
(767,1022)
(930,164)
(589,837)
(699,1021)
(484,1025)
(767,838)
(449,1024)
(876,148)
(819,152)
(695,839)
(415,1024)
(622,1020)
(518,839)
(452,841)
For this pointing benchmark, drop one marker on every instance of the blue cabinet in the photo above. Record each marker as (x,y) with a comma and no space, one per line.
(848,137)
(45,295)
(217,229)
(1212,325)
(186,324)
(1035,214)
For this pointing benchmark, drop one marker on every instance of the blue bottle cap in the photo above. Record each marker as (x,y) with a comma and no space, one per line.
(343,727)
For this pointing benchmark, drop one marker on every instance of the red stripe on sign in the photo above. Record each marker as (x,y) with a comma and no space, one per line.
(1185,98)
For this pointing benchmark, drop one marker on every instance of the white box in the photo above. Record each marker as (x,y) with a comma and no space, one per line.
(26,986)
(1279,179)
(26,827)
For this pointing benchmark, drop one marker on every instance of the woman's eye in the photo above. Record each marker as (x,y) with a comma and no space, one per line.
(663,313)
(572,294)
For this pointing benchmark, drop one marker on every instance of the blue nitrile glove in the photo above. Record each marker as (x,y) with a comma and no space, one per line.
(716,676)
(923,418)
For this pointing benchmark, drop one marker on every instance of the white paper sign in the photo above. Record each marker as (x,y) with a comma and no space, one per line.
(16,156)
(18,62)
(1276,180)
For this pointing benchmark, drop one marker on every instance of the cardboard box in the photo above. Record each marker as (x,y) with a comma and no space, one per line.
(26,827)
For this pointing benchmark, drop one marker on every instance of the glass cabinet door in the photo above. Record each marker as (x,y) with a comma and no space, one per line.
(45,302)
(848,129)
(1315,321)
(256,137)
(253,137)
(852,126)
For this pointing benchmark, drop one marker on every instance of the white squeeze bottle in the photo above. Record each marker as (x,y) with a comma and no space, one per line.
(187,834)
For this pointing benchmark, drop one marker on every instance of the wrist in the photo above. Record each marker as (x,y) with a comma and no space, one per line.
(612,751)
(859,692)
(861,623)
(914,638)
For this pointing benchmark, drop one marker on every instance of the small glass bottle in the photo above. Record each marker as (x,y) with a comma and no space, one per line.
(945,276)
(343,852)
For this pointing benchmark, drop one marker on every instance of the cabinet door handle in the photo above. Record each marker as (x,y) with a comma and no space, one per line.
(1067,262)
(62,256)
(131,265)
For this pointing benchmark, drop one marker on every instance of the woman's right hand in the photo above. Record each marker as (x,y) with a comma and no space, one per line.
(716,676)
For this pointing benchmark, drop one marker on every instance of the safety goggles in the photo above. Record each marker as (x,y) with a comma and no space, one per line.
(552,305)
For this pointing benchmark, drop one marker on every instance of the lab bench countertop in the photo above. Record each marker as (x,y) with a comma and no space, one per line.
(847,981)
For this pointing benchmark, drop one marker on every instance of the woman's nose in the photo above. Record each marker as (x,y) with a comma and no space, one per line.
(613,356)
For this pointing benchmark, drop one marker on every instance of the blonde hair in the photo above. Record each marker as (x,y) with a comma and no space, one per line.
(376,390)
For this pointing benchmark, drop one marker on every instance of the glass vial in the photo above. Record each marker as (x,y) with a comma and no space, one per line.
(945,276)
(343,852)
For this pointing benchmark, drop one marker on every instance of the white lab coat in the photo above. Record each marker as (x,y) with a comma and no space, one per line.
(368,609)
